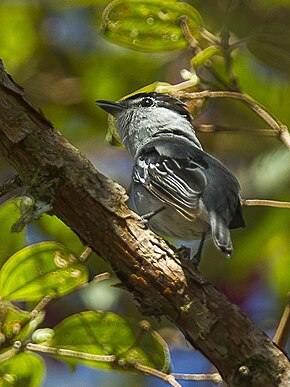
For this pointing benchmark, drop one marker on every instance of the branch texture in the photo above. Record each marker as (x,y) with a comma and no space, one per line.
(161,281)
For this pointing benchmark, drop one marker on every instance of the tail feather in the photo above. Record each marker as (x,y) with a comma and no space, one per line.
(221,235)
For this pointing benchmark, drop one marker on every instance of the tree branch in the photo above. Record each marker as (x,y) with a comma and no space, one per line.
(160,279)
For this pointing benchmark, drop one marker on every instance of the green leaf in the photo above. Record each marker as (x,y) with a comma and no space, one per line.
(10,242)
(205,55)
(105,334)
(149,25)
(23,369)
(271,45)
(14,19)
(60,232)
(46,268)
(12,320)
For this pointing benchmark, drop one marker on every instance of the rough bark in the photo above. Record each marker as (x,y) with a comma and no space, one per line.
(163,283)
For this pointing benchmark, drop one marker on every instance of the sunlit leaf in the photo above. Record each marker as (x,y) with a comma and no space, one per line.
(205,55)
(60,232)
(271,45)
(149,25)
(12,320)
(10,242)
(23,369)
(105,334)
(12,37)
(46,268)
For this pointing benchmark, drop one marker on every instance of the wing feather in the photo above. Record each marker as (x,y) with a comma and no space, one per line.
(179,183)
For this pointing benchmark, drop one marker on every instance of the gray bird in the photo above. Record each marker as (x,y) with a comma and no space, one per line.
(182,191)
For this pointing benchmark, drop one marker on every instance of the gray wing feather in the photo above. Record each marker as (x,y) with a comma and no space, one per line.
(179,183)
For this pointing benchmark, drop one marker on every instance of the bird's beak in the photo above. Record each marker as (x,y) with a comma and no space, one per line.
(113,108)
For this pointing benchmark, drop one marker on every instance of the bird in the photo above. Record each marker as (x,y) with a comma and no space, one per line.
(179,189)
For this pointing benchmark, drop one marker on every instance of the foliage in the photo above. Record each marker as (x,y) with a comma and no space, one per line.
(231,46)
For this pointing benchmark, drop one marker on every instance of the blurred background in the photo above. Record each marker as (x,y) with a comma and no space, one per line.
(55,51)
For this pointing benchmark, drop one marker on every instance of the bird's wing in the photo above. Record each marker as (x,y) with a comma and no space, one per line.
(172,177)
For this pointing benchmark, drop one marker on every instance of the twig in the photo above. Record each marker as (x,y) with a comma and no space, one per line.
(188,35)
(101,358)
(259,109)
(101,277)
(210,128)
(10,185)
(85,254)
(11,351)
(283,330)
(225,37)
(70,353)
(161,375)
(265,203)
(216,378)
(194,44)
(40,306)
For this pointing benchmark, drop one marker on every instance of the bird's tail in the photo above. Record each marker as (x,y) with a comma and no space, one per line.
(221,235)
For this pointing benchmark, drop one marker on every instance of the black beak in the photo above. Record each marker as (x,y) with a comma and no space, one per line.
(113,108)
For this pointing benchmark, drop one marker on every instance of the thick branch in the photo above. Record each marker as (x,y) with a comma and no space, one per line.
(163,284)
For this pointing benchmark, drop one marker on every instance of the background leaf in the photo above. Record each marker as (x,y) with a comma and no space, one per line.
(46,268)
(102,333)
(10,242)
(271,45)
(205,55)
(149,26)
(60,232)
(12,320)
(23,369)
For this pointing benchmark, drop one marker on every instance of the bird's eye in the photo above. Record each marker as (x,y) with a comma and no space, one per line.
(146,102)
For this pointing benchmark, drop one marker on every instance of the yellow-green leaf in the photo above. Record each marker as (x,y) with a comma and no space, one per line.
(109,334)
(12,320)
(60,232)
(23,369)
(46,268)
(10,242)
(149,25)
(205,55)
(271,45)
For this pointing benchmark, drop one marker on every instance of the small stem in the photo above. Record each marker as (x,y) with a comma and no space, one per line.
(85,254)
(161,375)
(211,38)
(11,351)
(70,353)
(101,277)
(259,109)
(285,135)
(40,306)
(210,128)
(188,35)
(216,378)
(237,44)
(194,44)
(225,37)
(265,203)
(282,333)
